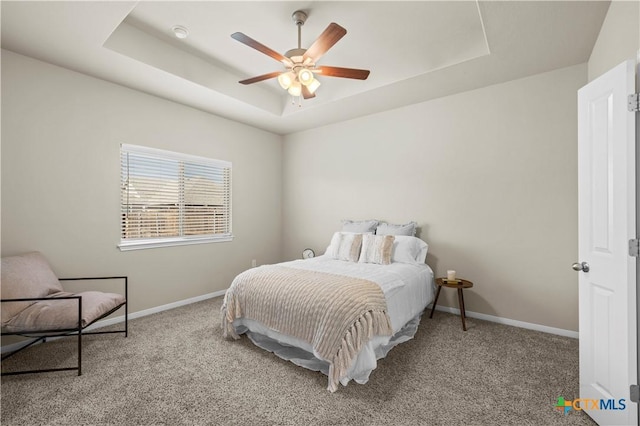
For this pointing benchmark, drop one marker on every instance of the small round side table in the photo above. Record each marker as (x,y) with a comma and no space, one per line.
(457,284)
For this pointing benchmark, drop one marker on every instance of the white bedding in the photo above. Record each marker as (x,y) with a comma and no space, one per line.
(408,289)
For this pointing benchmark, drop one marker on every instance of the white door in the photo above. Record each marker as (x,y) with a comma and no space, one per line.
(607,206)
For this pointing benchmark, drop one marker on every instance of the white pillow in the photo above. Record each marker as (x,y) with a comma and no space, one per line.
(390,229)
(345,246)
(360,227)
(408,249)
(376,249)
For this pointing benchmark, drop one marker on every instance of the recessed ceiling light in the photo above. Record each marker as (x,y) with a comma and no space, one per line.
(180,31)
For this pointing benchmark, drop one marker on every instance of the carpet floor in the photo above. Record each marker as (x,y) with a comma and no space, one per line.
(176,369)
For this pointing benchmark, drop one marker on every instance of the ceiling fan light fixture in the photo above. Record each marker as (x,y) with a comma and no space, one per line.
(298,78)
(286,79)
(305,76)
(313,86)
(295,89)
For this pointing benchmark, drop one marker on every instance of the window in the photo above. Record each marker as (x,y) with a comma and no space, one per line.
(169,198)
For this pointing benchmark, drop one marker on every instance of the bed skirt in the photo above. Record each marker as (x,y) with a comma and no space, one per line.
(359,371)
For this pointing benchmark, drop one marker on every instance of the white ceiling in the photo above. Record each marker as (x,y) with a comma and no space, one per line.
(416,50)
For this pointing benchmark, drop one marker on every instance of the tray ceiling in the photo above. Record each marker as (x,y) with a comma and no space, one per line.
(416,50)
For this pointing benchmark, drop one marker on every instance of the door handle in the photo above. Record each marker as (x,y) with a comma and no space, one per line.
(584,267)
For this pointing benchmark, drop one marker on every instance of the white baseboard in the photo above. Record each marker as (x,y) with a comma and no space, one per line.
(139,314)
(155,310)
(511,322)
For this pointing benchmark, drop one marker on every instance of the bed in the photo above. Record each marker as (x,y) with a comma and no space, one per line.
(390,269)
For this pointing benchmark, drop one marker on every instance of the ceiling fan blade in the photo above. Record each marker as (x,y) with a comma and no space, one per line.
(306,93)
(261,77)
(325,41)
(343,72)
(245,39)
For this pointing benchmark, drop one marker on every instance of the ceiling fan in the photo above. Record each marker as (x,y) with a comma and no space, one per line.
(301,64)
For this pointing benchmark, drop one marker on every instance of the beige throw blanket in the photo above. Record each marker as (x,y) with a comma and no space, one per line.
(335,314)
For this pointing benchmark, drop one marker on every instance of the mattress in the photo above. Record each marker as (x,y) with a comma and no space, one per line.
(408,289)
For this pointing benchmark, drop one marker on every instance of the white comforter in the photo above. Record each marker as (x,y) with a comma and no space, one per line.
(408,289)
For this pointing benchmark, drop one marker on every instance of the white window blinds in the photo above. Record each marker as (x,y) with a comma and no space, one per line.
(169,198)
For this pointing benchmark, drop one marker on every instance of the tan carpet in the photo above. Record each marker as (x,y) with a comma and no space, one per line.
(175,369)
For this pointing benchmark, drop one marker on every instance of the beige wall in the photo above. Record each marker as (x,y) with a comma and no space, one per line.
(619,37)
(61,132)
(490,176)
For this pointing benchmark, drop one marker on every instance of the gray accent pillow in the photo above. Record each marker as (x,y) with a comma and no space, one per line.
(360,227)
(408,229)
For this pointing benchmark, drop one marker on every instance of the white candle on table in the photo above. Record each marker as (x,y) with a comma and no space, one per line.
(451,275)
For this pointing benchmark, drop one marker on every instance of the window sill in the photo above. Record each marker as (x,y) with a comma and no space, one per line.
(151,243)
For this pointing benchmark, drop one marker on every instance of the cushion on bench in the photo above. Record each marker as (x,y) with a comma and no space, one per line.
(27,275)
(63,314)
